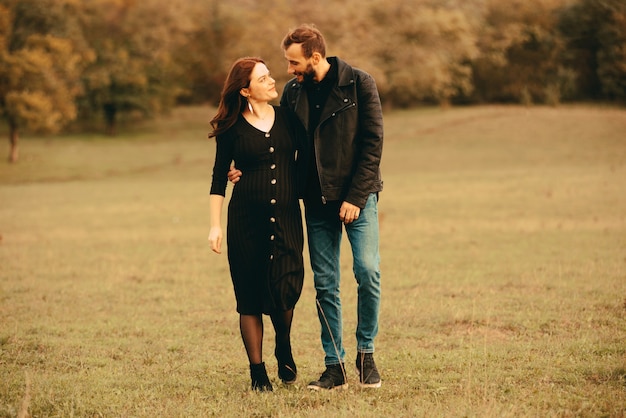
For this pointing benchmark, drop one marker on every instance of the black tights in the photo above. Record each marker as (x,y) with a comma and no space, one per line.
(251,327)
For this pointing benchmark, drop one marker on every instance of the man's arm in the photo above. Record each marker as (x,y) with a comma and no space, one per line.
(370,144)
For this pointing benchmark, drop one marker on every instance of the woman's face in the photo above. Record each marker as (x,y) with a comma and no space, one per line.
(262,85)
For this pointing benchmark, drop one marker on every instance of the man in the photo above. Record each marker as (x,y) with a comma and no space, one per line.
(340,108)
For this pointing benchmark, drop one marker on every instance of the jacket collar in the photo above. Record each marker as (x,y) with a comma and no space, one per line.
(345,77)
(345,73)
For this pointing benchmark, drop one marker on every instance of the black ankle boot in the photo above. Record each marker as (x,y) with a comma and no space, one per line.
(260,381)
(287,370)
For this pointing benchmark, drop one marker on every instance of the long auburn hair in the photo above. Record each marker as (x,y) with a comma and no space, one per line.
(232,103)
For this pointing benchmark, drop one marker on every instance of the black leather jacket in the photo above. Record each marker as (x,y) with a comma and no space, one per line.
(349,137)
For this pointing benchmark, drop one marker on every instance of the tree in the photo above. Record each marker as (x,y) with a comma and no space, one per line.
(521,50)
(205,54)
(133,70)
(424,52)
(40,64)
(595,32)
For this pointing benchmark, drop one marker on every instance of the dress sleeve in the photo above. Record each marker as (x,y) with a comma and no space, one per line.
(224,150)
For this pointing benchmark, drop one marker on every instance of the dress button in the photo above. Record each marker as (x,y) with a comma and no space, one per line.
(273,201)
(267,134)
(272,238)
(273,166)
(273,181)
(271,149)
(345,100)
(272,219)
(271,256)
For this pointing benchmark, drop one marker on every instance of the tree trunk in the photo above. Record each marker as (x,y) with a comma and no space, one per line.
(110,112)
(13,139)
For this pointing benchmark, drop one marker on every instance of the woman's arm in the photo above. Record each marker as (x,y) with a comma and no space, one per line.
(215,234)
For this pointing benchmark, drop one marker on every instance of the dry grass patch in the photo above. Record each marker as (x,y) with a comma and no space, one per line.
(503,232)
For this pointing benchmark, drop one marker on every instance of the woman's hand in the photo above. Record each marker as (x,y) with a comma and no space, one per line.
(215,239)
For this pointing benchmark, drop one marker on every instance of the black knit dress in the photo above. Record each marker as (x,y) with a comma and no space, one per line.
(264,233)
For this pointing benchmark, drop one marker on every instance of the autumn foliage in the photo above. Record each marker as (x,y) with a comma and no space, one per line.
(99,60)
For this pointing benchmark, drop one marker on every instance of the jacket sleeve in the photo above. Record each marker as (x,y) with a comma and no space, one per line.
(300,141)
(369,142)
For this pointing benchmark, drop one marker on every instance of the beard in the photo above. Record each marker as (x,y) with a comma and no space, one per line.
(308,75)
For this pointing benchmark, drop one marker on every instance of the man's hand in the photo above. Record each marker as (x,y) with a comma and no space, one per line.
(234,175)
(349,213)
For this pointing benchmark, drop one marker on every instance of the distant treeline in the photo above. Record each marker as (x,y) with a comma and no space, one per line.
(101,59)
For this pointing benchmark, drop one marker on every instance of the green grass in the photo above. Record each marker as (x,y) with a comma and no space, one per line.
(503,241)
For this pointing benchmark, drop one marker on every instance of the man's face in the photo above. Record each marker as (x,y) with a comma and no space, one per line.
(297,65)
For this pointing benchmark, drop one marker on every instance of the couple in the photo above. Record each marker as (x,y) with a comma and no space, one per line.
(323,144)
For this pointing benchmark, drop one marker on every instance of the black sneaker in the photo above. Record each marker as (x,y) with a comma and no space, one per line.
(367,371)
(259,378)
(334,377)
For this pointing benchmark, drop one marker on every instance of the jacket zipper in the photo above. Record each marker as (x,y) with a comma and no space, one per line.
(324,201)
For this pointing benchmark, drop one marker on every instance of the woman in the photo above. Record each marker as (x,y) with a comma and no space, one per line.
(264,232)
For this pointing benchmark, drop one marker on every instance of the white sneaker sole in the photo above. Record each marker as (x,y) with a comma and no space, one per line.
(370,385)
(340,387)
(367,385)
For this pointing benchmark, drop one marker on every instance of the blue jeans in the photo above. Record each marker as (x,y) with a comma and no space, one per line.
(324,238)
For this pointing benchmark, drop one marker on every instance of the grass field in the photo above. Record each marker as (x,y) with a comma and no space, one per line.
(503,243)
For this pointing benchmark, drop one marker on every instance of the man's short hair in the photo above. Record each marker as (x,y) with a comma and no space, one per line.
(309,37)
